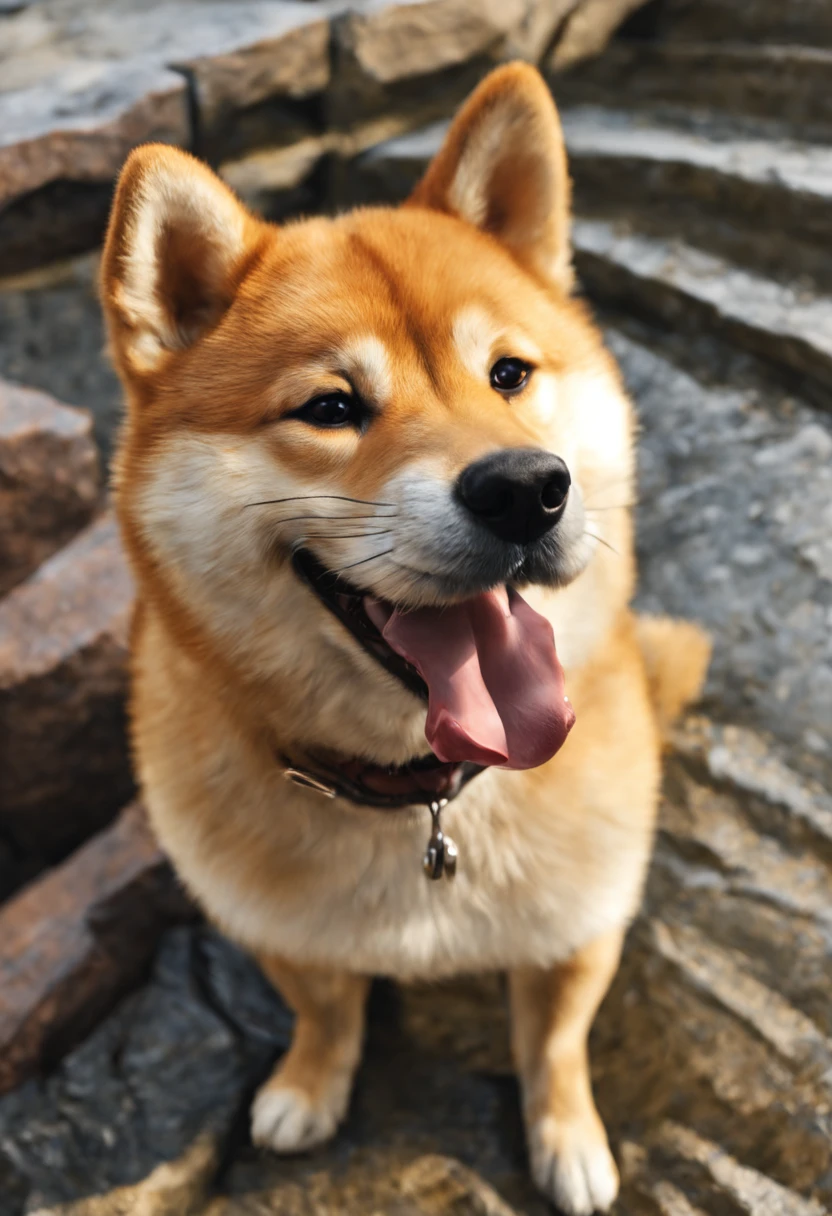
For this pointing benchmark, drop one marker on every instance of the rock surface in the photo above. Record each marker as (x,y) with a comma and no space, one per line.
(63,637)
(49,479)
(76,939)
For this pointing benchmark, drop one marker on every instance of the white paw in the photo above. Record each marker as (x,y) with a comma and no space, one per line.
(573,1166)
(286,1121)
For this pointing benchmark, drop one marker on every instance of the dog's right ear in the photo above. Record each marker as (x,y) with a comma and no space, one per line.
(178,244)
(503,169)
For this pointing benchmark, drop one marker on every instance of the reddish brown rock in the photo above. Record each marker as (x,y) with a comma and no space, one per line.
(589,28)
(251,76)
(49,479)
(64,767)
(78,938)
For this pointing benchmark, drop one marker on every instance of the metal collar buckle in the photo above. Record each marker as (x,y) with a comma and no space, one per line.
(307,781)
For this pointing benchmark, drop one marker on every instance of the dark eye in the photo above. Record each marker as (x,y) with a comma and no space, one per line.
(331,409)
(509,374)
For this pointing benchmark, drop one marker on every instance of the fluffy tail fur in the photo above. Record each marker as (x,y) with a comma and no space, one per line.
(676,656)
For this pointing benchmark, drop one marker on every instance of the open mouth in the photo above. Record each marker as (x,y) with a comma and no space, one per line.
(347,603)
(486,665)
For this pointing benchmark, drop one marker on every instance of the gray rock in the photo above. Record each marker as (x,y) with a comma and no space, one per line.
(389,171)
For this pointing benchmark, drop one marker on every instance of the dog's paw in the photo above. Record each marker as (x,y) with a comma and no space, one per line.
(572,1164)
(287,1121)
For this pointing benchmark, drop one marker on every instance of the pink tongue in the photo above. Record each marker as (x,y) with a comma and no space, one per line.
(495,683)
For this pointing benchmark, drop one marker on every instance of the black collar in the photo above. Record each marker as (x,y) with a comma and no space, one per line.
(422,782)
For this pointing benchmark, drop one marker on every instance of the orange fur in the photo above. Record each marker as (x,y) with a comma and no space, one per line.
(221,327)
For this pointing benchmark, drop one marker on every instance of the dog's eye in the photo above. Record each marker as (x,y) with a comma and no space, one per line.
(331,409)
(509,374)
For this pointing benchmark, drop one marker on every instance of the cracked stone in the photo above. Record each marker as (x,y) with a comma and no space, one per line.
(63,650)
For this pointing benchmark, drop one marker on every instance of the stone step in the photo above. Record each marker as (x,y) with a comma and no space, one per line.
(76,940)
(807,22)
(63,648)
(82,84)
(49,479)
(780,89)
(708,186)
(688,288)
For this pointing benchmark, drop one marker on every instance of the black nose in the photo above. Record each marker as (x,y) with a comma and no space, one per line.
(519,493)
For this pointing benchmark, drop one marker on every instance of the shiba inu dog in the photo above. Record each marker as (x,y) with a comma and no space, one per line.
(375,486)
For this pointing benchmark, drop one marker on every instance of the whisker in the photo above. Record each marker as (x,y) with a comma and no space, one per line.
(328,519)
(362,502)
(344,535)
(352,565)
(601,541)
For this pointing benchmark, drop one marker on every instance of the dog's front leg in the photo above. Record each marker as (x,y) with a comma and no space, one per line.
(307,1095)
(552,1012)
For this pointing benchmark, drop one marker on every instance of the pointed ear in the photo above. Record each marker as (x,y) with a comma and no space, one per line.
(178,245)
(503,169)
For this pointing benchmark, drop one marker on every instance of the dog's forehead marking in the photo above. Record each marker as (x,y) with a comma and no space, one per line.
(479,339)
(366,360)
(474,335)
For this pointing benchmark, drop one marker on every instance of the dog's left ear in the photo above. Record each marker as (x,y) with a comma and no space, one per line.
(177,247)
(503,169)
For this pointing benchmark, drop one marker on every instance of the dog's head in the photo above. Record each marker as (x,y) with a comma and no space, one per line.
(332,420)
